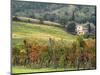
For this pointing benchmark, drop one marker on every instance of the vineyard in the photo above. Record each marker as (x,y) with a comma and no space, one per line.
(38,46)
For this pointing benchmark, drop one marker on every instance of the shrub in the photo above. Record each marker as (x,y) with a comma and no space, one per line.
(71,27)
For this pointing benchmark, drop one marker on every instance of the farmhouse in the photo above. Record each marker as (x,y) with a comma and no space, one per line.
(81,29)
(86,28)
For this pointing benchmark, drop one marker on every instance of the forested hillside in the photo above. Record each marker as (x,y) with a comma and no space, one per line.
(60,13)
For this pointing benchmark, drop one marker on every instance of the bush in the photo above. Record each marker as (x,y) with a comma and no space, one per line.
(71,27)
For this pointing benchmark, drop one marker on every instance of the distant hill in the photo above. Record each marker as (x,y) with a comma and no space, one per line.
(60,13)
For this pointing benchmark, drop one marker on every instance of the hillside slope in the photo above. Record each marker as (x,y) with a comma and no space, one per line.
(28,30)
(60,13)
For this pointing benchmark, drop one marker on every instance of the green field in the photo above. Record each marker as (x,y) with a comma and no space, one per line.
(19,69)
(21,30)
(28,70)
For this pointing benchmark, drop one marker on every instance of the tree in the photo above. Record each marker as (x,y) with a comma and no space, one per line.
(71,27)
(93,19)
(89,28)
(73,16)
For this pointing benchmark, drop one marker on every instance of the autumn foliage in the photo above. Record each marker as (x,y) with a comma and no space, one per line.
(79,54)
